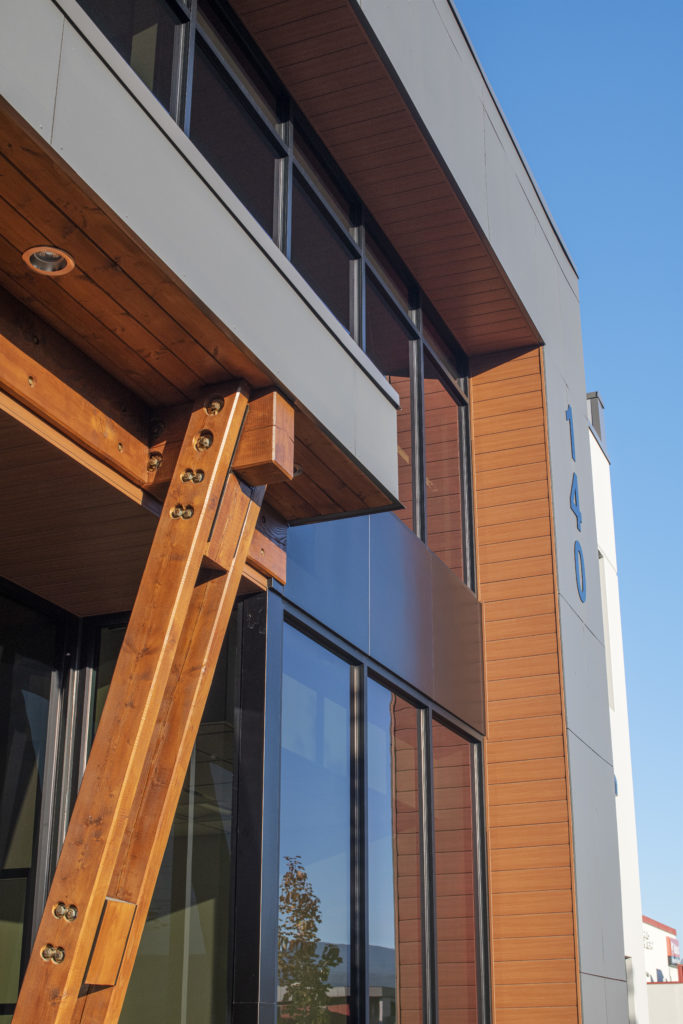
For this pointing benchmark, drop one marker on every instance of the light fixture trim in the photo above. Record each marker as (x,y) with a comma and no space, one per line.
(48,260)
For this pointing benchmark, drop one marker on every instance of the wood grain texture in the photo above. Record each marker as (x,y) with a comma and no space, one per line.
(135,321)
(126,729)
(163,774)
(532,905)
(326,58)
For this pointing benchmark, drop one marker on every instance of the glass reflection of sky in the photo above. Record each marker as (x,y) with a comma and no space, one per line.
(315,777)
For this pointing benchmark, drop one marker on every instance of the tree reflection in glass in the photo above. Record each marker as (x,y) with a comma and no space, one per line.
(315,896)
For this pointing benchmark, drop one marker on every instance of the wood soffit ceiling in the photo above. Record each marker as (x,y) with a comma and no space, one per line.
(335,73)
(138,322)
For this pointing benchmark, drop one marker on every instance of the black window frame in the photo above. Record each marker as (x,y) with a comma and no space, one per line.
(262,992)
(286,126)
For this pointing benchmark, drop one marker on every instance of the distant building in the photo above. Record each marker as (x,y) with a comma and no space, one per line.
(616,683)
(662,952)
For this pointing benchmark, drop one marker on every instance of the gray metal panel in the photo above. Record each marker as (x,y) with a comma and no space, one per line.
(431,55)
(327,575)
(401,602)
(584,678)
(458,647)
(130,152)
(593,1001)
(616,1000)
(596,863)
(30,47)
(372,582)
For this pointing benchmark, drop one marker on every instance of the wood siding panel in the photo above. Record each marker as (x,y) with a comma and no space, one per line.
(532,905)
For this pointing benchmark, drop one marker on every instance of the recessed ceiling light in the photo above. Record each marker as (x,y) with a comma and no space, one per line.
(46,259)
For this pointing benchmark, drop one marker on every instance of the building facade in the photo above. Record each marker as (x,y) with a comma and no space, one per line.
(305,702)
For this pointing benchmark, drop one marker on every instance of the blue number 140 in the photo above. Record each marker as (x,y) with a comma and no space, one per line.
(574,501)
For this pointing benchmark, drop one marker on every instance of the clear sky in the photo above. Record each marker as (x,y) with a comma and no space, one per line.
(593,91)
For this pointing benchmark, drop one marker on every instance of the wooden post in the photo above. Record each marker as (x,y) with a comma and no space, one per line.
(162,779)
(74,920)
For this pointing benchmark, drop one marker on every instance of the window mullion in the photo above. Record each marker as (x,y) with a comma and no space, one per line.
(429,962)
(417,418)
(359,849)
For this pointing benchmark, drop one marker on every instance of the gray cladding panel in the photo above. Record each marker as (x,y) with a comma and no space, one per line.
(431,56)
(372,582)
(596,863)
(584,675)
(126,148)
(33,28)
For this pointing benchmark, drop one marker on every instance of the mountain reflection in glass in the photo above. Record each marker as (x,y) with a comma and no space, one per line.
(315,862)
(394,892)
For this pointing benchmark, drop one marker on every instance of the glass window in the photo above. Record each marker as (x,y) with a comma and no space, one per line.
(308,160)
(145,34)
(394,885)
(28,653)
(230,138)
(387,342)
(181,970)
(314,929)
(442,468)
(454,876)
(319,252)
(224,42)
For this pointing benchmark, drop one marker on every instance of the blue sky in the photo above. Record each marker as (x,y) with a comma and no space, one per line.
(593,92)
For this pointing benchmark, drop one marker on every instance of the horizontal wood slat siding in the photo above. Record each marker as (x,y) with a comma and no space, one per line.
(532,907)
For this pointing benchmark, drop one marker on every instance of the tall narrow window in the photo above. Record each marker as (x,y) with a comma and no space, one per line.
(28,654)
(454,876)
(388,345)
(442,467)
(314,922)
(319,252)
(145,32)
(181,969)
(394,879)
(231,138)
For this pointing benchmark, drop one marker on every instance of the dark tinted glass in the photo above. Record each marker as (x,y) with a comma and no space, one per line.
(319,253)
(215,28)
(180,974)
(387,342)
(442,468)
(454,877)
(315,859)
(230,138)
(394,888)
(28,650)
(144,32)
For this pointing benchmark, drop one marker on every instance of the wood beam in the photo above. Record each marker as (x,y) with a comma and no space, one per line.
(266,451)
(121,748)
(51,379)
(163,775)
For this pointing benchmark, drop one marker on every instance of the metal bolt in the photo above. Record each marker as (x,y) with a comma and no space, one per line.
(204,441)
(71,912)
(156,428)
(120,446)
(182,512)
(154,461)
(214,406)
(297,470)
(31,381)
(59,910)
(192,476)
(54,953)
